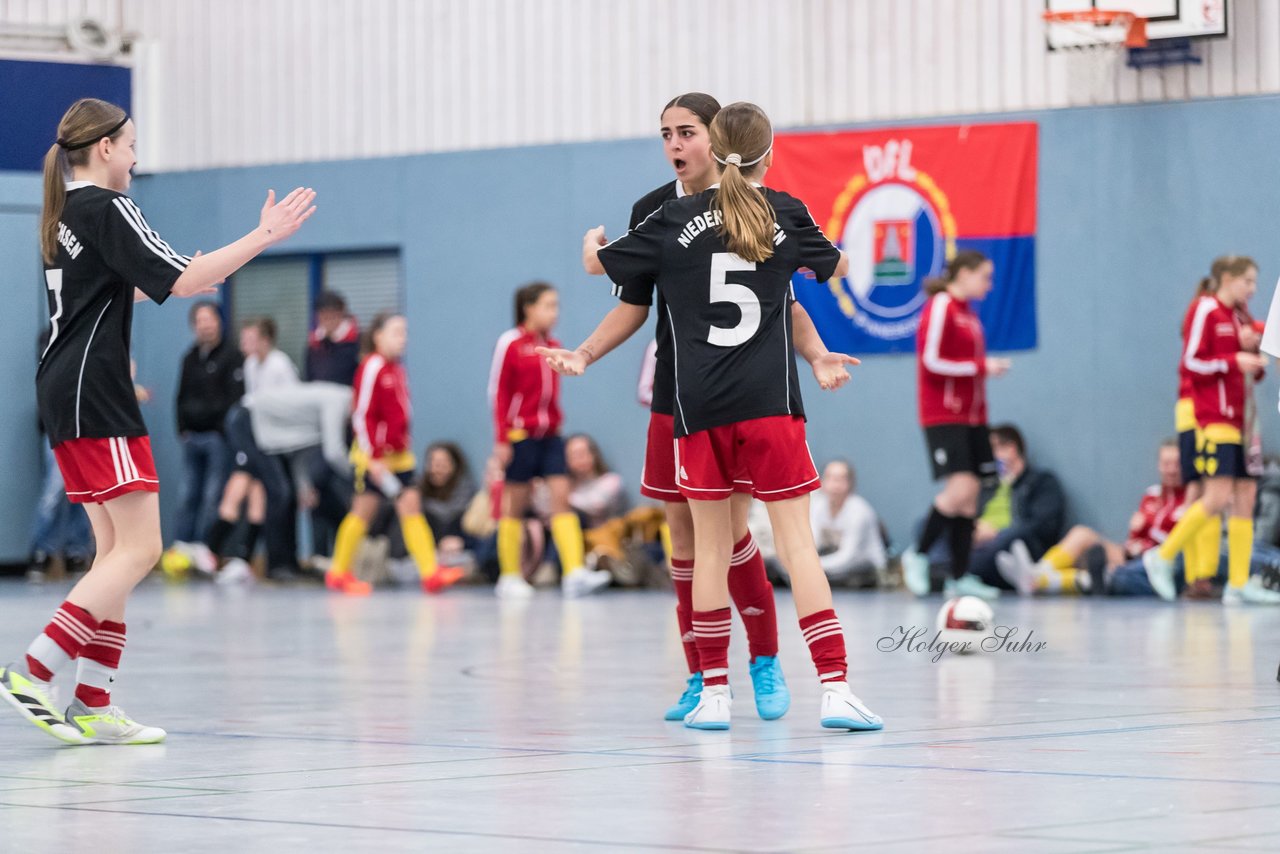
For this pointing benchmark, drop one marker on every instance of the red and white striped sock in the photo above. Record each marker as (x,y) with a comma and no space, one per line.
(711,629)
(682,578)
(752,594)
(825,638)
(70,629)
(99,661)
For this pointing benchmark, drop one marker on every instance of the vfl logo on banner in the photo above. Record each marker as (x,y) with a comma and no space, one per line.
(895,223)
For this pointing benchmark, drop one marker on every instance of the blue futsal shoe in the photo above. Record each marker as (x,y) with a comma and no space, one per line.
(772,697)
(688,700)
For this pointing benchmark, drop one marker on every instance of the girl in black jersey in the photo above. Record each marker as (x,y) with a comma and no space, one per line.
(723,261)
(99,256)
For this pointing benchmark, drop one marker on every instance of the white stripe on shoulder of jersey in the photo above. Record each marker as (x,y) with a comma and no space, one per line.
(149,238)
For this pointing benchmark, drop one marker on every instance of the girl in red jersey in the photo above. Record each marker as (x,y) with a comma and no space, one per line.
(1220,369)
(738,411)
(525,396)
(952,368)
(100,255)
(1200,553)
(384,464)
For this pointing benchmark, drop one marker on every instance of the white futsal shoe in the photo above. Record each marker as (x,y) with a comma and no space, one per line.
(1252,593)
(1017,568)
(841,709)
(236,571)
(110,725)
(583,581)
(712,711)
(512,587)
(915,572)
(1160,574)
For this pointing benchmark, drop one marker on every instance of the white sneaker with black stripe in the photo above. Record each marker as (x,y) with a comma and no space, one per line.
(37,703)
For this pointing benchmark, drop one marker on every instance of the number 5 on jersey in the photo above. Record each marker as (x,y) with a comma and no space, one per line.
(723,263)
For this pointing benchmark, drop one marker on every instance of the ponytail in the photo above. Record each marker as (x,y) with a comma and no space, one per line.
(1206,287)
(742,137)
(55,199)
(85,123)
(968,259)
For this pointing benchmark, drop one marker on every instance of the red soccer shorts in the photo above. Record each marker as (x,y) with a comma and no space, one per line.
(771,452)
(98,470)
(658,480)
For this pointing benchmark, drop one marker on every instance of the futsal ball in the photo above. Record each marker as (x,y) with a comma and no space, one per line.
(175,564)
(965,621)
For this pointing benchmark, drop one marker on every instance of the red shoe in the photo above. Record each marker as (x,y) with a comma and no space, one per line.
(346,584)
(445,576)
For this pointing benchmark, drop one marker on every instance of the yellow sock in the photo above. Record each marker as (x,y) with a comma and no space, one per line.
(510,533)
(420,542)
(566,530)
(1068,577)
(1207,549)
(1191,557)
(1239,550)
(350,533)
(1187,526)
(664,534)
(1058,558)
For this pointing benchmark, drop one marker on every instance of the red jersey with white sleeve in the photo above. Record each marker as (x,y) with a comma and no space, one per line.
(381,413)
(1217,385)
(1185,377)
(1158,512)
(523,390)
(951,360)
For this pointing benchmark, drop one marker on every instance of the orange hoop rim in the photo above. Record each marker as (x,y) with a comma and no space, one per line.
(1135,25)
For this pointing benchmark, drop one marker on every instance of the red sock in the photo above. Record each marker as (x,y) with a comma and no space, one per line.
(70,629)
(711,628)
(825,638)
(682,578)
(752,593)
(99,661)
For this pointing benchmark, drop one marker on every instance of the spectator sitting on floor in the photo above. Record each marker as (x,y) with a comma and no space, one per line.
(845,527)
(1027,505)
(598,494)
(1085,562)
(447,491)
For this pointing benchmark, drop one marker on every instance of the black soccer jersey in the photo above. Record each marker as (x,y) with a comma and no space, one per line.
(730,319)
(105,250)
(664,375)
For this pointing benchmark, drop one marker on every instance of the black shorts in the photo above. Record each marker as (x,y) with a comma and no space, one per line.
(961,449)
(1187,456)
(1219,459)
(364,483)
(238,429)
(534,458)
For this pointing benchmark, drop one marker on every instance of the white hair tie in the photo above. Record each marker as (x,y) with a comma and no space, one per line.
(736,159)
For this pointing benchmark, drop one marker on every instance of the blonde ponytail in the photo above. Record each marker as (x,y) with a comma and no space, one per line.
(742,137)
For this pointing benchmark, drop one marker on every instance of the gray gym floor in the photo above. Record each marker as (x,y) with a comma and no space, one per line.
(302,721)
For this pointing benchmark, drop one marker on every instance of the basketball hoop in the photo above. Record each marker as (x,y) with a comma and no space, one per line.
(1094,41)
(1096,26)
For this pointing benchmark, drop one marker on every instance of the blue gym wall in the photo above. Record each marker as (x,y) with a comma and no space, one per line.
(1133,204)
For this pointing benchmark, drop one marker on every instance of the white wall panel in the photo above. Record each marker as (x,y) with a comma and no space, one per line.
(233,82)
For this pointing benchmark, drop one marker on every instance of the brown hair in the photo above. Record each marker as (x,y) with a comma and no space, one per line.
(461,471)
(266,327)
(380,320)
(966,259)
(598,465)
(1223,265)
(700,104)
(87,122)
(1007,434)
(527,296)
(747,218)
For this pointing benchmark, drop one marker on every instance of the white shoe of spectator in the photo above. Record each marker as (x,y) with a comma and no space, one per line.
(1252,593)
(202,558)
(915,572)
(1160,574)
(1017,568)
(235,571)
(512,587)
(583,581)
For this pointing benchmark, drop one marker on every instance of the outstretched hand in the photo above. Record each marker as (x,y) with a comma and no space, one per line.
(565,362)
(281,219)
(830,370)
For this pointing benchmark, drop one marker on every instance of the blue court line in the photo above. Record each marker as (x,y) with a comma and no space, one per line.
(605,843)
